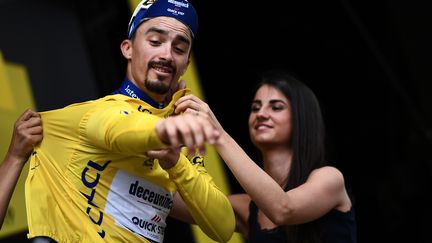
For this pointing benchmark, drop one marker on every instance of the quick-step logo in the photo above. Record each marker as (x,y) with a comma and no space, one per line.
(139,205)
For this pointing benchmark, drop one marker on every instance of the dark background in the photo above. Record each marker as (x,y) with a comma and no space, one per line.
(368,62)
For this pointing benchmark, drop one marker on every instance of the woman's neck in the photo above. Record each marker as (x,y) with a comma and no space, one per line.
(277,163)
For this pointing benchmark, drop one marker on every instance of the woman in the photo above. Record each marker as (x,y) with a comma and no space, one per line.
(295,197)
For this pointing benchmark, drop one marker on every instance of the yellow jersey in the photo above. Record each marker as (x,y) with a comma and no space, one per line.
(90,180)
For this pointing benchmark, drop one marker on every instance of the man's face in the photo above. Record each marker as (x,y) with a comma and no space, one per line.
(159,55)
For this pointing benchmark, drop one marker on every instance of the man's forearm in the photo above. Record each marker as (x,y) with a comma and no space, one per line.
(209,207)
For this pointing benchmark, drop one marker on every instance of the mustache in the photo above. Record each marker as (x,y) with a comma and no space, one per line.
(164,64)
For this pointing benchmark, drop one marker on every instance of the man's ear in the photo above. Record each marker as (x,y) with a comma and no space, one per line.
(126,48)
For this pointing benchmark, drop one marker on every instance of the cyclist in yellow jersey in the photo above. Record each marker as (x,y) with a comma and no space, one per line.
(91,180)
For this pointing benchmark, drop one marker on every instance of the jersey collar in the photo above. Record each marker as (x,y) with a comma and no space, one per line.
(130,89)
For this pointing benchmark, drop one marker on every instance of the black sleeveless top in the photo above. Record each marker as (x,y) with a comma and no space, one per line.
(334,227)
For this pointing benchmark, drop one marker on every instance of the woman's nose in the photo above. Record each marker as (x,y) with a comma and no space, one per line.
(262,114)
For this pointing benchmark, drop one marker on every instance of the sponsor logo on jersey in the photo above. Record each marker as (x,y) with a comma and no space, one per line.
(139,205)
(90,177)
(150,196)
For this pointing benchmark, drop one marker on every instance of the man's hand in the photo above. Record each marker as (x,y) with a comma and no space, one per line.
(187,129)
(167,157)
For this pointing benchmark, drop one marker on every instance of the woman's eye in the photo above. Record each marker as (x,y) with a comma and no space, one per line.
(255,108)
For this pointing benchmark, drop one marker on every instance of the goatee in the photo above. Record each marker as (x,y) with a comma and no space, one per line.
(157,87)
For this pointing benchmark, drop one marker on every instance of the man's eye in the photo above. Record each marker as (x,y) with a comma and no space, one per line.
(179,50)
(154,42)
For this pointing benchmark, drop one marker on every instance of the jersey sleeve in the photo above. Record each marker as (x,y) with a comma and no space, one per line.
(118,128)
(209,206)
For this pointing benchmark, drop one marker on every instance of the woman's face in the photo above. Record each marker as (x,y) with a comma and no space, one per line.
(270,120)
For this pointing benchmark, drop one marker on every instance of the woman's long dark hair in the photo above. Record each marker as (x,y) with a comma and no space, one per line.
(307,141)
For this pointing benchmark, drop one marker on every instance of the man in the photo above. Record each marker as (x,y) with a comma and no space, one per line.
(91,179)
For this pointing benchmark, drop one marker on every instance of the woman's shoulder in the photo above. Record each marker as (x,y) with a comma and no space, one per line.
(328,178)
(330,172)
(333,181)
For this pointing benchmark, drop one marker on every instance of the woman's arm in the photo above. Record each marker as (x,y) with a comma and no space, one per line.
(27,132)
(323,190)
